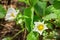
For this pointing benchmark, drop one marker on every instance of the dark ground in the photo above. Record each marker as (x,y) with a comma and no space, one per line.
(9,29)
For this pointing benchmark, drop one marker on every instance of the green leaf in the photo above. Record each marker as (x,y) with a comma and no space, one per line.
(52,34)
(7,38)
(2,12)
(50,16)
(40,8)
(50,9)
(33,2)
(36,18)
(25,1)
(29,12)
(32,36)
(21,0)
(56,4)
(43,0)
(57,21)
(50,26)
(51,1)
(58,0)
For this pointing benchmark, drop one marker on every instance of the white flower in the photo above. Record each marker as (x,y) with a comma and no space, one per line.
(39,27)
(11,14)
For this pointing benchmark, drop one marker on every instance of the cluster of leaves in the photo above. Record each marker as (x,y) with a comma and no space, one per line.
(38,10)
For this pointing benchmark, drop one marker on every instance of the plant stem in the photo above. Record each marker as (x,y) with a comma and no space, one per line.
(17,33)
(25,33)
(22,26)
(41,37)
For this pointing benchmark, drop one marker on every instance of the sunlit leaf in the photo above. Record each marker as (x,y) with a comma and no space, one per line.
(32,36)
(50,16)
(33,2)
(29,12)
(51,1)
(40,8)
(7,38)
(50,9)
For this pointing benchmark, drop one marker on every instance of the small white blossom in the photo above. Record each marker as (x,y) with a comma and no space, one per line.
(11,14)
(40,27)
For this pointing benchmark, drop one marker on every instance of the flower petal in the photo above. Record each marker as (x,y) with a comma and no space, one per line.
(36,27)
(9,12)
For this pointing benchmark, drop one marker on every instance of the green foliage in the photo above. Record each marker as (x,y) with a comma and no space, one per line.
(33,2)
(51,1)
(50,16)
(50,26)
(40,8)
(50,9)
(25,1)
(2,12)
(36,11)
(36,18)
(51,35)
(29,12)
(32,36)
(19,18)
(53,13)
(29,2)
(56,4)
(7,38)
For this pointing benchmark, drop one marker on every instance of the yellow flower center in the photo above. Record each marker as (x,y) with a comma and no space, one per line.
(40,27)
(12,14)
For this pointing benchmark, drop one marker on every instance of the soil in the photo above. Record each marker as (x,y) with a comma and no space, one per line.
(9,29)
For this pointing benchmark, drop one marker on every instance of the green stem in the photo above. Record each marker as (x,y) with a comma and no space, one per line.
(17,33)
(32,17)
(22,26)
